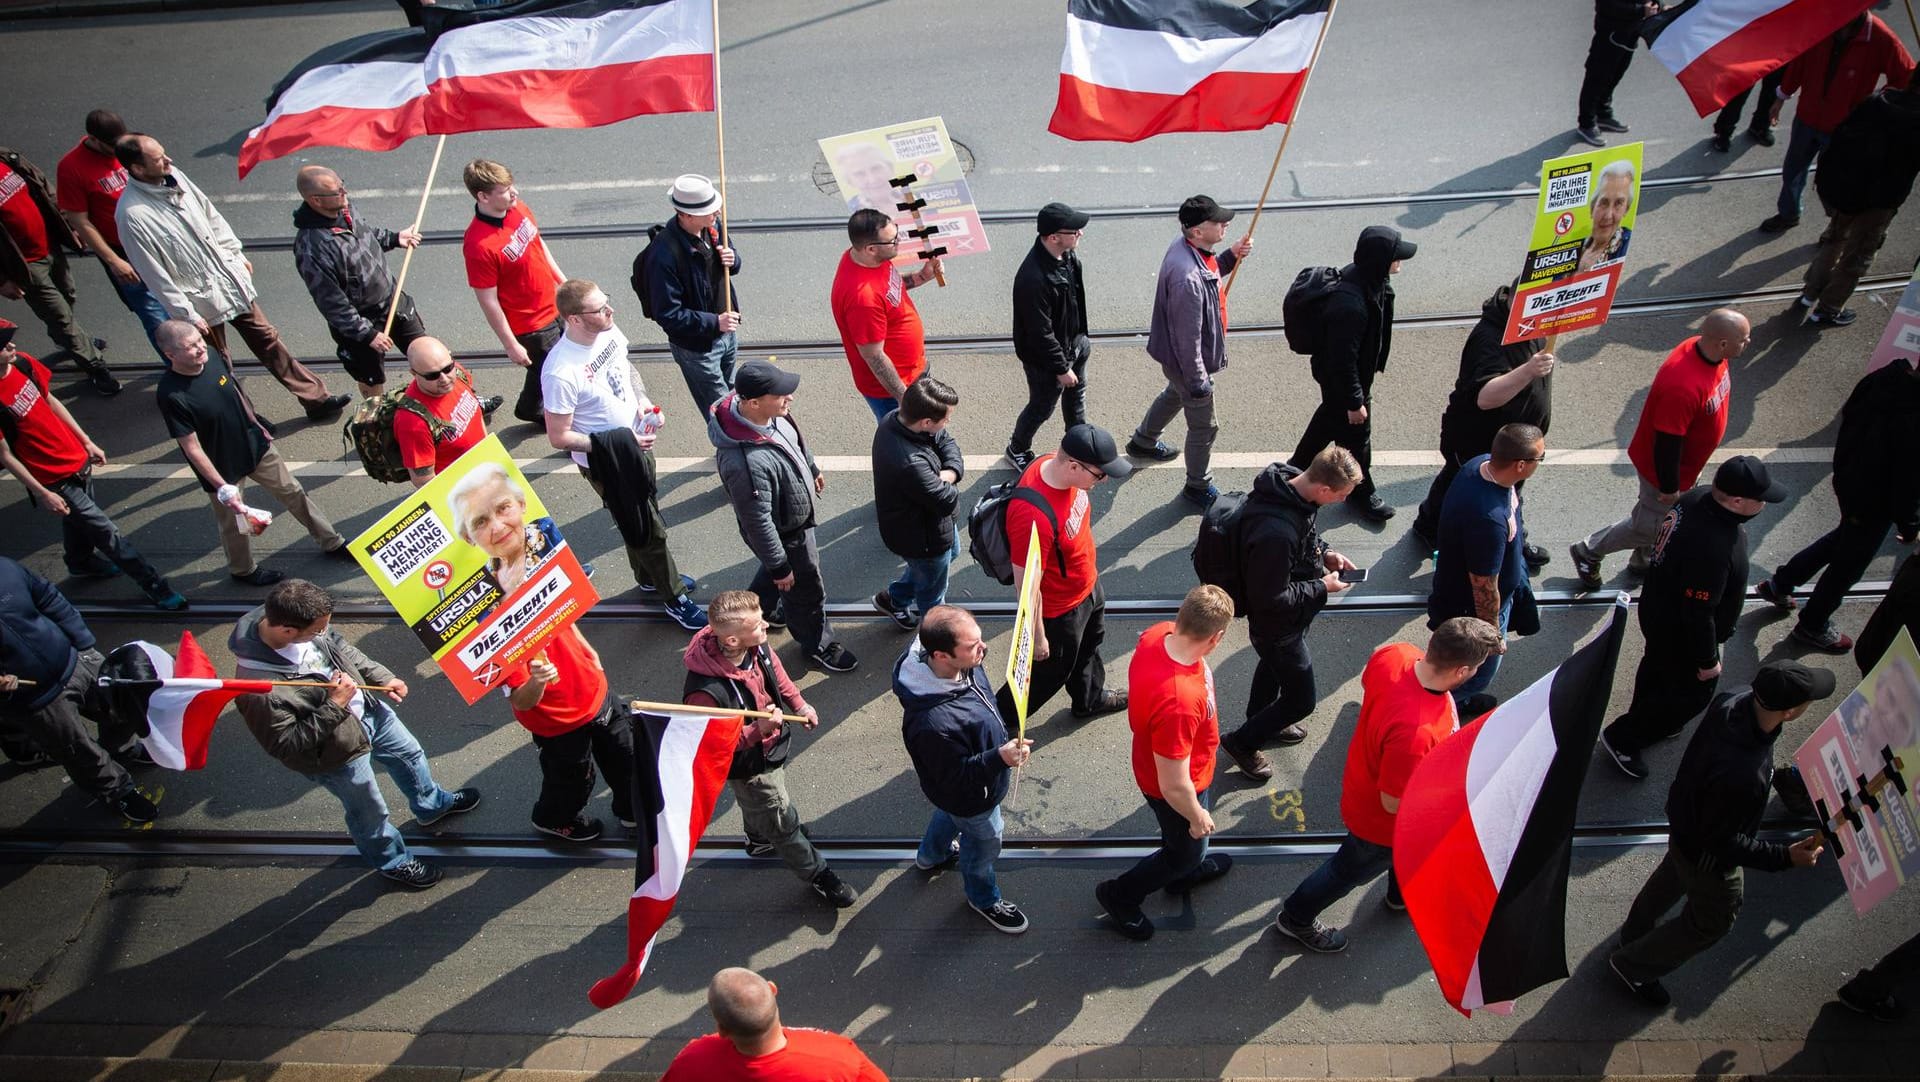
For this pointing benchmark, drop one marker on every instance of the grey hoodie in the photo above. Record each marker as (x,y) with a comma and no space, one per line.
(300,726)
(769,481)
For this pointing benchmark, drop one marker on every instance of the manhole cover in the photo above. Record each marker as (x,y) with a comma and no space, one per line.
(823,173)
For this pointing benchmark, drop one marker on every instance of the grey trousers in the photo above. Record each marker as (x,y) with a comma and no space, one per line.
(272,474)
(1201,430)
(50,293)
(1650,950)
(60,728)
(771,819)
(1636,531)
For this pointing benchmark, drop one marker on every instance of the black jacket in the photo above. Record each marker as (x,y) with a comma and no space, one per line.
(1358,317)
(1720,791)
(41,636)
(914,505)
(1611,15)
(1879,427)
(1283,557)
(1874,155)
(1696,579)
(686,288)
(343,261)
(626,476)
(953,733)
(1466,430)
(1049,311)
(1900,608)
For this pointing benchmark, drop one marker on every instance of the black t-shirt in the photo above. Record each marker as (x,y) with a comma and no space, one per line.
(209,406)
(1467,430)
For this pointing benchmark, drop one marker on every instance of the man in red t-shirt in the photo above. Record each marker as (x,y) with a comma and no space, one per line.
(33,263)
(87,186)
(1406,707)
(444,388)
(43,446)
(752,1045)
(513,276)
(1176,726)
(1681,424)
(1073,608)
(560,696)
(879,325)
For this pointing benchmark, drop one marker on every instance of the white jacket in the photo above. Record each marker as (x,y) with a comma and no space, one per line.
(184,251)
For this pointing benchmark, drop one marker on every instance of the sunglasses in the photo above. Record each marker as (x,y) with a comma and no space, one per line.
(437,373)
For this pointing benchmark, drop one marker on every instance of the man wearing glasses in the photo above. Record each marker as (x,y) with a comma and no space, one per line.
(879,325)
(1050,328)
(343,261)
(441,389)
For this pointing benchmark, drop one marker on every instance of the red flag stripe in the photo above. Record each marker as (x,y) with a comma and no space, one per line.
(1442,867)
(577,98)
(1721,47)
(1223,101)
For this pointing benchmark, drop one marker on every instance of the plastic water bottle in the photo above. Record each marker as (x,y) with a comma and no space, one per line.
(651,420)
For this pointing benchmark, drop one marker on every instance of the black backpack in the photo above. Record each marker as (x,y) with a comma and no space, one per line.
(642,277)
(987,536)
(1300,311)
(1217,553)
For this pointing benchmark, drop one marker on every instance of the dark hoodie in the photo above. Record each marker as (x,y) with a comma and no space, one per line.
(41,635)
(1720,791)
(300,726)
(1466,430)
(953,734)
(1696,579)
(343,262)
(1358,317)
(1874,156)
(1283,557)
(768,475)
(713,680)
(1879,428)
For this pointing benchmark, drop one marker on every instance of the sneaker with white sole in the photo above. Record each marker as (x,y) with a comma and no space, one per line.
(685,612)
(1629,762)
(834,657)
(901,616)
(464,800)
(1313,935)
(413,874)
(1827,639)
(1004,916)
(836,892)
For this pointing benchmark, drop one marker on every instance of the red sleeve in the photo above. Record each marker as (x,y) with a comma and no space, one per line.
(869,1072)
(863,317)
(416,442)
(1022,515)
(1406,746)
(1899,70)
(36,371)
(70,192)
(1173,732)
(482,271)
(1670,408)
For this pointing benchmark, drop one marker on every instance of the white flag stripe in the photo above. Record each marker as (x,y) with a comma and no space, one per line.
(1508,766)
(555,43)
(1708,24)
(679,748)
(373,85)
(1148,62)
(169,705)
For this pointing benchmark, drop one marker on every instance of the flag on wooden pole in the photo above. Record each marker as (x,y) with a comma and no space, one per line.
(1718,48)
(172,703)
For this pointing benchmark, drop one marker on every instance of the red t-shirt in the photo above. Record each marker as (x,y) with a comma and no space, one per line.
(1171,709)
(1400,722)
(871,304)
(46,445)
(21,215)
(1058,593)
(459,407)
(572,700)
(1688,398)
(811,1055)
(90,182)
(511,258)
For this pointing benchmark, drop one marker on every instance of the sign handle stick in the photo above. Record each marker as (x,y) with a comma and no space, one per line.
(1911,21)
(720,138)
(703,711)
(393,306)
(1298,101)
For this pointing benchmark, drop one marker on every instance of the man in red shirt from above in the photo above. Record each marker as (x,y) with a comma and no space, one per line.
(879,325)
(560,696)
(1681,424)
(43,446)
(33,263)
(1406,707)
(443,388)
(752,1045)
(87,185)
(1176,726)
(513,276)
(1052,497)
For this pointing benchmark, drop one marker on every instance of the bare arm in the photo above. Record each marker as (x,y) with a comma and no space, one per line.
(497,319)
(1176,788)
(875,354)
(561,435)
(42,495)
(197,458)
(1486,597)
(118,269)
(419,477)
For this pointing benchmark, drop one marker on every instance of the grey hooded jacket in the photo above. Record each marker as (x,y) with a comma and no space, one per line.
(768,483)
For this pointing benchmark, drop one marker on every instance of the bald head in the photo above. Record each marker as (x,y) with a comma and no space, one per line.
(432,365)
(321,189)
(743,1006)
(1724,334)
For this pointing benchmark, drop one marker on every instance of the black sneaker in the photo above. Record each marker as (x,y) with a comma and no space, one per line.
(329,408)
(1535,556)
(1020,459)
(1761,135)
(1779,223)
(1629,762)
(1586,566)
(830,887)
(1200,497)
(1721,143)
(413,874)
(464,800)
(1129,921)
(834,657)
(1843,318)
(1611,124)
(1775,596)
(1158,451)
(1313,935)
(1004,916)
(95,566)
(1591,136)
(1109,702)
(489,404)
(260,576)
(1212,867)
(903,619)
(1884,1009)
(134,806)
(1374,508)
(777,619)
(584,828)
(1394,903)
(759,850)
(1652,993)
(100,378)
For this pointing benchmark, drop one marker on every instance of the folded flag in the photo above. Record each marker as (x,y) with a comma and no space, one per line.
(1135,68)
(171,704)
(680,765)
(1718,48)
(1483,840)
(531,64)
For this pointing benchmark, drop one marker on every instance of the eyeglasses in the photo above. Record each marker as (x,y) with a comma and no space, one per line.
(894,243)
(437,373)
(1541,457)
(1069,232)
(1091,472)
(341,194)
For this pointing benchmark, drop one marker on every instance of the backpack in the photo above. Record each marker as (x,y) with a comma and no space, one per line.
(987,536)
(1300,311)
(369,432)
(642,277)
(1216,552)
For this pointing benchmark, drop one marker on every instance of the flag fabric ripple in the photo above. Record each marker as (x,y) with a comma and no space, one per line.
(1718,48)
(171,704)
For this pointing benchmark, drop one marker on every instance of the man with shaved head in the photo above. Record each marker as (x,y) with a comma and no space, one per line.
(343,261)
(440,417)
(1681,423)
(752,1044)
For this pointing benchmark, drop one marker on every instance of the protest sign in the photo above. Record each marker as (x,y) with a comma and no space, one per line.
(1902,336)
(1020,657)
(865,163)
(1571,304)
(1582,224)
(475,565)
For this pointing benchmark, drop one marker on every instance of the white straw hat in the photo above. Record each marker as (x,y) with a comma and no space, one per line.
(693,194)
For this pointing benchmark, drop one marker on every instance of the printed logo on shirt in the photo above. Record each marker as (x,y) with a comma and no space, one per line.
(616,374)
(463,411)
(1077,517)
(1721,391)
(13,184)
(113,183)
(896,288)
(28,398)
(1665,534)
(523,238)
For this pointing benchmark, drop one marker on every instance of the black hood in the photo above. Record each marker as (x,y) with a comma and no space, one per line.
(1378,247)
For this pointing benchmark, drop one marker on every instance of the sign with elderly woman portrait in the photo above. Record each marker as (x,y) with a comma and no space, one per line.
(1581,231)
(475,565)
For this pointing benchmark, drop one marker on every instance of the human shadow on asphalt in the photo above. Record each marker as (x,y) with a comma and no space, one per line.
(1518,170)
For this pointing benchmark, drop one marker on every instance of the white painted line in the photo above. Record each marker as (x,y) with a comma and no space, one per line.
(661,183)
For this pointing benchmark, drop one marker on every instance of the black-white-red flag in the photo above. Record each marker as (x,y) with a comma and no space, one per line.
(171,703)
(1717,48)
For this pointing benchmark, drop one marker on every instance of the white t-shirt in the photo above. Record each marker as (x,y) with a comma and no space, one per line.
(310,659)
(595,383)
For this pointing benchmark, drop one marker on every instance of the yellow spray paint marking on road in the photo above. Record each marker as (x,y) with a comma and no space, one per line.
(1286,806)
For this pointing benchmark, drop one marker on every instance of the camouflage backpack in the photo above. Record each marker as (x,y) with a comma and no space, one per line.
(369,432)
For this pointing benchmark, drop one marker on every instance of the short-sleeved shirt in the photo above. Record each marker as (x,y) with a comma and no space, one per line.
(21,215)
(572,700)
(1171,709)
(507,255)
(871,304)
(209,406)
(90,182)
(1058,593)
(46,445)
(1481,533)
(595,383)
(1400,722)
(811,1055)
(1688,399)
(459,407)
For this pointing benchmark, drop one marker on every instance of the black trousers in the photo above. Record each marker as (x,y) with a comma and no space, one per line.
(1073,660)
(1607,60)
(368,365)
(1729,117)
(1176,860)
(1043,394)
(1282,692)
(537,344)
(1845,552)
(567,761)
(805,601)
(1667,694)
(1878,982)
(1330,425)
(1427,521)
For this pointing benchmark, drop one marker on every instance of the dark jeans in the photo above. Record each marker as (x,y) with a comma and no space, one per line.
(1329,425)
(1282,692)
(1607,60)
(651,560)
(537,344)
(1667,694)
(1845,551)
(367,365)
(1729,117)
(1877,983)
(1803,146)
(566,767)
(60,729)
(1043,393)
(87,529)
(1649,951)
(805,600)
(1355,864)
(1073,660)
(1178,857)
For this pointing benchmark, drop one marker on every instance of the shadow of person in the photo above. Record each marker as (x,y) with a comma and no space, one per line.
(1518,172)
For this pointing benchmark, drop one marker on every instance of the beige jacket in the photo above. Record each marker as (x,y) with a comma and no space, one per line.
(184,251)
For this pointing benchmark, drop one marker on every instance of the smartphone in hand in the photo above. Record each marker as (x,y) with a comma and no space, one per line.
(1354,574)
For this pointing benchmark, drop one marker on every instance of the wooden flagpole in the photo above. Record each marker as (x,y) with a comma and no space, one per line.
(1911,21)
(720,138)
(1305,79)
(704,711)
(393,306)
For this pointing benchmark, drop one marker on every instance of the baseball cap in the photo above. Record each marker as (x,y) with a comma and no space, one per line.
(1058,217)
(1095,447)
(1202,208)
(1783,685)
(1746,476)
(756,378)
(693,194)
(1383,236)
(6,332)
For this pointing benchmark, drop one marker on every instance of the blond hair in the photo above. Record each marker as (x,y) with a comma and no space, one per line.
(482,176)
(732,607)
(1206,611)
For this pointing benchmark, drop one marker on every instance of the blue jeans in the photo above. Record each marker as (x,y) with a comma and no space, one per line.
(881,406)
(708,372)
(979,845)
(924,582)
(1804,145)
(143,304)
(1482,679)
(373,833)
(1356,863)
